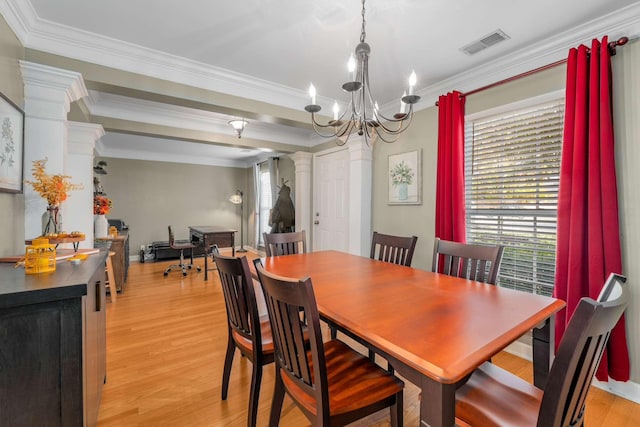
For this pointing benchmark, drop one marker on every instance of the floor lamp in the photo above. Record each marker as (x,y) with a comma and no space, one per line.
(238,199)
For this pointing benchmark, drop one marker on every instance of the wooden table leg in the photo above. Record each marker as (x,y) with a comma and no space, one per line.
(437,404)
(206,258)
(543,350)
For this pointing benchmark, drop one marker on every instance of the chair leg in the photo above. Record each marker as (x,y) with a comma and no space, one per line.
(372,356)
(276,403)
(334,332)
(228,361)
(397,413)
(182,266)
(254,395)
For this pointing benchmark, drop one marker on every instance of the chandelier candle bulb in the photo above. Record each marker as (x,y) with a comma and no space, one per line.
(351,66)
(312,94)
(412,82)
(362,115)
(336,110)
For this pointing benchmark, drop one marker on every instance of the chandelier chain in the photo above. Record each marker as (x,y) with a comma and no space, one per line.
(363,33)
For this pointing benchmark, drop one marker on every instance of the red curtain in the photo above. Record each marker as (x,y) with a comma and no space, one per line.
(450,207)
(588,245)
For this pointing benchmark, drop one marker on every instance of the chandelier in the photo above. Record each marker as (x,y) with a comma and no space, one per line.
(362,115)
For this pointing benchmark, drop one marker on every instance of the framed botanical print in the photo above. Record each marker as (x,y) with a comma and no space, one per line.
(405,178)
(11,146)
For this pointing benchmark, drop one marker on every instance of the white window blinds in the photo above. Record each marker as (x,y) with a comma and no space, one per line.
(512,166)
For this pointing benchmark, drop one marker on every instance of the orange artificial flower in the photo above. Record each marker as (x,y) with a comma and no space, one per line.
(53,188)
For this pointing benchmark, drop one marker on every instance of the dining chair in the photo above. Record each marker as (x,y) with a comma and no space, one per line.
(495,397)
(330,382)
(248,331)
(466,260)
(181,247)
(394,249)
(285,243)
(388,248)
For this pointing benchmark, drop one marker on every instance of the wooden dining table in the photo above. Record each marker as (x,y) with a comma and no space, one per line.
(434,329)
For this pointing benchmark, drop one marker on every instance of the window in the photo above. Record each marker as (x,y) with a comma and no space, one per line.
(264,201)
(512,168)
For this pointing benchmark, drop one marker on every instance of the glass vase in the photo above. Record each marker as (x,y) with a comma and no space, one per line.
(51,221)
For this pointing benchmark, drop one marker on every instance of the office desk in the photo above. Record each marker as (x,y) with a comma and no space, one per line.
(434,329)
(209,235)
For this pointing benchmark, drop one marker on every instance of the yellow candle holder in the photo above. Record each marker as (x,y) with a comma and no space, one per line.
(40,257)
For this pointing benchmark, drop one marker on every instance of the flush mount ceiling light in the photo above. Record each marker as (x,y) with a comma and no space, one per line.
(362,115)
(238,125)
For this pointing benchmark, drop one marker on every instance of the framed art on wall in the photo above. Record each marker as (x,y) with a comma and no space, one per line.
(11,146)
(405,178)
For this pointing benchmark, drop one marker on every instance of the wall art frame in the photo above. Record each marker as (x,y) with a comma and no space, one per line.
(405,178)
(11,146)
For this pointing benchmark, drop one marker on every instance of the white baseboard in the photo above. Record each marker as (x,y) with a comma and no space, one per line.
(629,390)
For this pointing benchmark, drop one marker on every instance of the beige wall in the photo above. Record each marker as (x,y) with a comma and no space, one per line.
(11,205)
(150,195)
(420,220)
(626,68)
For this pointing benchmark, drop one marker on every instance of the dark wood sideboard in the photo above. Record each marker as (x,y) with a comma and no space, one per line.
(52,344)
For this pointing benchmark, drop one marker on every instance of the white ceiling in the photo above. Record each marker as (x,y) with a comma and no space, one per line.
(270,50)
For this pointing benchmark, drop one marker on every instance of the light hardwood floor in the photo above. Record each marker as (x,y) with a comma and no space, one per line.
(166,340)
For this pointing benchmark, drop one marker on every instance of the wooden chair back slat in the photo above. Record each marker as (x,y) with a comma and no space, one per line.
(474,262)
(293,311)
(393,249)
(239,296)
(579,354)
(277,244)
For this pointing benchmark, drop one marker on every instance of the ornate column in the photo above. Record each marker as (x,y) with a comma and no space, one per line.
(82,139)
(302,162)
(48,93)
(360,189)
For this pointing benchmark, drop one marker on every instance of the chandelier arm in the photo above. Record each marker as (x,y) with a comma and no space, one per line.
(317,126)
(403,123)
(377,125)
(388,141)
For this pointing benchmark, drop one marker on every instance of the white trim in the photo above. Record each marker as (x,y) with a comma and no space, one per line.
(629,390)
(143,111)
(524,103)
(623,22)
(40,34)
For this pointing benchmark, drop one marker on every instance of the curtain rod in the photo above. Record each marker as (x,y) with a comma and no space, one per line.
(612,47)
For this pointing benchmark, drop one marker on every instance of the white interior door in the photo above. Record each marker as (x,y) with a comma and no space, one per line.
(331,201)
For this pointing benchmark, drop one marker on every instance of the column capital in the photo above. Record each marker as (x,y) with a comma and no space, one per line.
(82,137)
(49,91)
(301,158)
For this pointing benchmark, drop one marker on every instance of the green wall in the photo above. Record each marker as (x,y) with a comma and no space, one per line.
(11,205)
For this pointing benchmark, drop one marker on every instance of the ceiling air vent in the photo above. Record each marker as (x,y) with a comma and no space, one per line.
(485,42)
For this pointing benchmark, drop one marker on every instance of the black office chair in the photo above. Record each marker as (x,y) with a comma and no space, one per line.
(181,247)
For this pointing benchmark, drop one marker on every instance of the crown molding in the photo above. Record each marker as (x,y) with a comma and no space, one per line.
(40,34)
(623,22)
(181,153)
(21,17)
(138,110)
